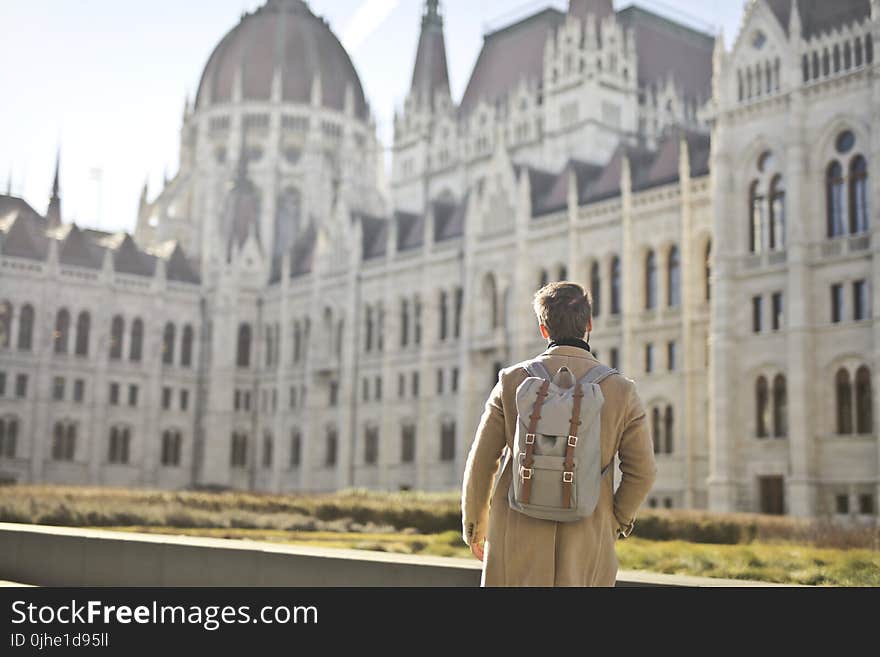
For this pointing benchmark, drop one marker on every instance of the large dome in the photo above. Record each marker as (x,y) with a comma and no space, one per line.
(285,35)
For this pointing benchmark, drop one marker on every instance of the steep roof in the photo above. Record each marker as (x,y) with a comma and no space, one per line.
(26,234)
(665,49)
(449,219)
(410,230)
(510,55)
(819,16)
(375,237)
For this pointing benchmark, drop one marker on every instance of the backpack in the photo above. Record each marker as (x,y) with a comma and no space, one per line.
(557,451)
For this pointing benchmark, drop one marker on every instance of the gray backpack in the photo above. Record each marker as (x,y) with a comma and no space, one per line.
(557,451)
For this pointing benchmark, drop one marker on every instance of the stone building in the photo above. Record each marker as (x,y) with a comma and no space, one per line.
(284,319)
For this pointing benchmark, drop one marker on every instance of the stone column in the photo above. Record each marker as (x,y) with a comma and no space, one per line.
(689,298)
(723,366)
(800,380)
(630,263)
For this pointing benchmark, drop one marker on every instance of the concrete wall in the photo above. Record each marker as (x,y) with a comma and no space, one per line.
(61,556)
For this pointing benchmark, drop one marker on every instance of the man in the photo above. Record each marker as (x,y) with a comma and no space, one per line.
(518,550)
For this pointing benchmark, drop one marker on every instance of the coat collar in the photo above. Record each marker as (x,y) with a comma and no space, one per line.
(563,350)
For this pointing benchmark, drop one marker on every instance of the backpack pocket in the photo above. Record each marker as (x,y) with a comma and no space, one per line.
(546,482)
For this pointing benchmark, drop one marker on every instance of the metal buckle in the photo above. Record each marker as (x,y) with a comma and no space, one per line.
(526,473)
(572,441)
(530,439)
(567,477)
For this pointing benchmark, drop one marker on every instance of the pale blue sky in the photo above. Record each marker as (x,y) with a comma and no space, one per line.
(107,78)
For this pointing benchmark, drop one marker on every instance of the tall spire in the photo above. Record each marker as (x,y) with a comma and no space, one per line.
(431,73)
(9,183)
(53,214)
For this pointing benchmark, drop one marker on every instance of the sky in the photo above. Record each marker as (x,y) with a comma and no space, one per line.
(104,81)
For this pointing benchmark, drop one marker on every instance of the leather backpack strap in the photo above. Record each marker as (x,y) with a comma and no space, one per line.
(574,423)
(526,470)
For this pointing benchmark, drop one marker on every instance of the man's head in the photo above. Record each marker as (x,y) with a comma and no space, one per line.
(564,311)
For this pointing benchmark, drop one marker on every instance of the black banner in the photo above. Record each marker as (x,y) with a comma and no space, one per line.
(130,621)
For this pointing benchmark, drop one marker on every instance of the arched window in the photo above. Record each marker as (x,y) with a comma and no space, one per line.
(136,349)
(330,447)
(117,328)
(780,407)
(777,213)
(544,278)
(490,298)
(768,77)
(83,324)
(650,281)
(655,428)
(869,49)
(268,444)
(749,83)
(847,56)
(673,278)
(26,328)
(340,336)
(826,63)
(297,342)
(62,331)
(168,337)
(57,441)
(186,346)
(834,185)
(295,449)
(64,441)
(243,351)
(118,452)
(563,273)
(739,85)
(669,429)
(8,437)
(5,323)
(707,281)
(858,51)
(404,322)
(238,455)
(815,65)
(444,315)
(864,419)
(269,346)
(762,407)
(596,288)
(836,58)
(844,402)
(756,219)
(368,329)
(858,195)
(615,285)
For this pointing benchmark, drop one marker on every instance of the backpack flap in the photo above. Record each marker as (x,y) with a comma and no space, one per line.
(556,411)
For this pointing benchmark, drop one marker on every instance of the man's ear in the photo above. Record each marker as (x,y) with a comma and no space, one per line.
(544,332)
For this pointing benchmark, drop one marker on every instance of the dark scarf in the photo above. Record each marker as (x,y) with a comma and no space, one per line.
(569,342)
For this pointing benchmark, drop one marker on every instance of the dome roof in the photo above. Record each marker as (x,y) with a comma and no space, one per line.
(285,35)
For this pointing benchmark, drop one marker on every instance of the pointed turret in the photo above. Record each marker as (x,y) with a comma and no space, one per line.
(795,29)
(430,74)
(53,213)
(242,206)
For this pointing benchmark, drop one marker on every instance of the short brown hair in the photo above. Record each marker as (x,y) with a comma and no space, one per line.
(564,308)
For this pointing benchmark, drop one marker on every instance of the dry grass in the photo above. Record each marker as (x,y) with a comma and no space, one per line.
(738,546)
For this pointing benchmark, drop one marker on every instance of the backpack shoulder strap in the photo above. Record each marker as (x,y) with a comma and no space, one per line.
(597,374)
(536,368)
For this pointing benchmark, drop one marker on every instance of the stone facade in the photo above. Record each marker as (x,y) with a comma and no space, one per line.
(341,331)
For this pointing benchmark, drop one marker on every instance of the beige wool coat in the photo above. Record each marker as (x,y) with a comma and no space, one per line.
(524,551)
